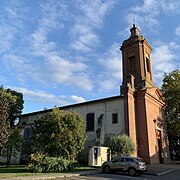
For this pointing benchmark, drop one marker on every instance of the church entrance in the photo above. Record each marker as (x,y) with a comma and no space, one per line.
(160,152)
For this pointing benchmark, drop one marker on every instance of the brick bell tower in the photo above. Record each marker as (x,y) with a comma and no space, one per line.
(143,102)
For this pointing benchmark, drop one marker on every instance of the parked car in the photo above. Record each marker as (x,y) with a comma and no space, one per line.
(133,165)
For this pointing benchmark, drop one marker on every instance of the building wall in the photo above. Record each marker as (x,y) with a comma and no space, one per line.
(104,106)
(149,112)
(158,153)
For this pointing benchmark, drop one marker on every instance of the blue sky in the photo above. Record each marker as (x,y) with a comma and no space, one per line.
(60,52)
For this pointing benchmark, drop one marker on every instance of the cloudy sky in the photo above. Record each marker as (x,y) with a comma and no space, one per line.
(59,52)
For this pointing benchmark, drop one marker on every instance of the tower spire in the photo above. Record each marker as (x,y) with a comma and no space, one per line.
(133,20)
(134,31)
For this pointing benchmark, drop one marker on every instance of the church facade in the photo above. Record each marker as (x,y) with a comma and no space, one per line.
(137,111)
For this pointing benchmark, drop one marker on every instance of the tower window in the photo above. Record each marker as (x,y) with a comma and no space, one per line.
(90,122)
(114,118)
(148,65)
(132,65)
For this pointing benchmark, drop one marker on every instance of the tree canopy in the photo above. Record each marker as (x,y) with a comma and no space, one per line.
(171,92)
(4,118)
(15,105)
(60,134)
(120,145)
(11,105)
(14,102)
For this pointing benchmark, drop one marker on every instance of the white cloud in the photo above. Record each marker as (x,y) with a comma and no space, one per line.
(95,10)
(78,99)
(13,17)
(177,31)
(84,37)
(162,61)
(107,85)
(111,63)
(51,19)
(170,6)
(59,70)
(54,69)
(44,97)
(163,53)
(146,13)
(19,68)
(148,6)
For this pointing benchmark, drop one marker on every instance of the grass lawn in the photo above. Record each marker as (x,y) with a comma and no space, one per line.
(20,170)
(15,171)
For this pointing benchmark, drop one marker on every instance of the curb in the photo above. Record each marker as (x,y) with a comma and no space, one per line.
(54,177)
(41,177)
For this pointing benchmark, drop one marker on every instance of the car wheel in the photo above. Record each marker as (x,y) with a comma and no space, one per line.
(106,169)
(132,171)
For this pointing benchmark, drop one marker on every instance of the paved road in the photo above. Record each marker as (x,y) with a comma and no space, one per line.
(174,175)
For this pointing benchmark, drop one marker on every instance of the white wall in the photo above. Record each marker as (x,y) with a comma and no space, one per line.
(98,107)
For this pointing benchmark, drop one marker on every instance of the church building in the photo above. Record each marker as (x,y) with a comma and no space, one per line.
(137,111)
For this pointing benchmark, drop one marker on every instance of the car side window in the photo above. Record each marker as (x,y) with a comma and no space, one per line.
(118,160)
(115,160)
(121,159)
(126,159)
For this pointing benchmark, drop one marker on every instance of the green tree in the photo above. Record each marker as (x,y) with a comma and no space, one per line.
(171,92)
(60,134)
(12,146)
(5,129)
(120,145)
(15,105)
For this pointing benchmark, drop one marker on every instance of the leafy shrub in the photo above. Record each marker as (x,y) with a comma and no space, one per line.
(42,163)
(120,145)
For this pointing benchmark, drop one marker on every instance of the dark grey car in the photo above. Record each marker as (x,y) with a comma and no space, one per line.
(133,165)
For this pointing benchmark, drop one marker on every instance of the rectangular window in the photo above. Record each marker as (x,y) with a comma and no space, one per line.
(148,65)
(90,122)
(132,65)
(114,118)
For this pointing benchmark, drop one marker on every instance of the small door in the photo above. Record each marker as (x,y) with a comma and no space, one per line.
(160,151)
(95,155)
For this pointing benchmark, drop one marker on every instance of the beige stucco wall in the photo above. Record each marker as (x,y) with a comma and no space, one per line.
(107,108)
(104,106)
